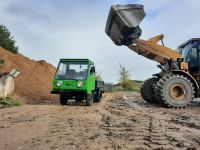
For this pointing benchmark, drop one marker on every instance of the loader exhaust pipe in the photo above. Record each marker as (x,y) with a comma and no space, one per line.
(123,23)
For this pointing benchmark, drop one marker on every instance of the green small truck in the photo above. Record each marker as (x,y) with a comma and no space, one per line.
(76,79)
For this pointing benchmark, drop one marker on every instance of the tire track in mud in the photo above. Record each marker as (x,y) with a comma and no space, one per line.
(131,124)
(135,131)
(120,121)
(75,127)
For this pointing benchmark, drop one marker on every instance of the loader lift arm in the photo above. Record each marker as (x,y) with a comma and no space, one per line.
(123,28)
(153,51)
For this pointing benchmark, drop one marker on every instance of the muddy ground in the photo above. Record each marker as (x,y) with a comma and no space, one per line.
(120,121)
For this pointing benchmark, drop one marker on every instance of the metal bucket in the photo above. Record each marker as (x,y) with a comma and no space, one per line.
(123,23)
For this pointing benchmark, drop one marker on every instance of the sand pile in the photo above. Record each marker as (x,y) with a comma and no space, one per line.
(33,85)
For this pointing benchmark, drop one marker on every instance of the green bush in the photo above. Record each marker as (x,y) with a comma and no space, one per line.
(128,85)
(131,85)
(8,102)
(136,87)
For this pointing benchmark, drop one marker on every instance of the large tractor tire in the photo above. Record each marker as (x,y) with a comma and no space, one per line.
(175,91)
(63,99)
(147,90)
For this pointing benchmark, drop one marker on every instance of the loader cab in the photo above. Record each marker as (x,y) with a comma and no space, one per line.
(190,51)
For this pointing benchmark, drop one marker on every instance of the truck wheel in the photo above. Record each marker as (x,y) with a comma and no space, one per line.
(147,90)
(63,99)
(175,91)
(97,95)
(89,100)
(78,98)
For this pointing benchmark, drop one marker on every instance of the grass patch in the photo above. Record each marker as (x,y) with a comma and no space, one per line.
(136,87)
(6,102)
(131,86)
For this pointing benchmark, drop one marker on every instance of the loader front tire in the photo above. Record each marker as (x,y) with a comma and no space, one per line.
(175,91)
(147,90)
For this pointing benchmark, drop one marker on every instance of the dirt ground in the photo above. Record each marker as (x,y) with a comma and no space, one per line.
(120,121)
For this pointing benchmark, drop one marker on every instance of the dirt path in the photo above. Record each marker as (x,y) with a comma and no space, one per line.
(120,121)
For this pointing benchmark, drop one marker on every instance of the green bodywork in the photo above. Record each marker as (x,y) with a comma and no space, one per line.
(71,85)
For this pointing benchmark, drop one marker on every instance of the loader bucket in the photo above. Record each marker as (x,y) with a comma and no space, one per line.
(123,23)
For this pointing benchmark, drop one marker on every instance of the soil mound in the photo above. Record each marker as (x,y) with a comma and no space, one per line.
(33,85)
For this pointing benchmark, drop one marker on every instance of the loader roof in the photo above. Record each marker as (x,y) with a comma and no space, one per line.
(188,42)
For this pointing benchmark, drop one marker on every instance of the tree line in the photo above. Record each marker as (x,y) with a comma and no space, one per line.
(7,40)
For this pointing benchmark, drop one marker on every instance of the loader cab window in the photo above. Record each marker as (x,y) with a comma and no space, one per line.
(190,55)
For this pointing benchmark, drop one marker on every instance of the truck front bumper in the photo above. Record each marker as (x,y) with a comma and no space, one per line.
(57,92)
(67,91)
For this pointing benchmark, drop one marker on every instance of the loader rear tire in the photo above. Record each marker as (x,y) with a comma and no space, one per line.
(175,91)
(147,90)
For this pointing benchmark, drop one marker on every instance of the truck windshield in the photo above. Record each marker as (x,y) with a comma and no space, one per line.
(72,70)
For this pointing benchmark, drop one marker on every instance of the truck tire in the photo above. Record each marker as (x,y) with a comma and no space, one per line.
(97,96)
(89,100)
(147,90)
(63,99)
(175,91)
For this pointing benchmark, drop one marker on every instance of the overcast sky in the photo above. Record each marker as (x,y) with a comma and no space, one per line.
(50,30)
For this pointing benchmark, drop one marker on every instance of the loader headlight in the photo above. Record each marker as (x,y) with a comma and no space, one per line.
(59,83)
(79,84)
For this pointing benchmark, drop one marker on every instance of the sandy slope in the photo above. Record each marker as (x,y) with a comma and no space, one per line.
(120,121)
(33,85)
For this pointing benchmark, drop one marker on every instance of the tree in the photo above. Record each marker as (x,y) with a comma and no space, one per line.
(124,79)
(7,41)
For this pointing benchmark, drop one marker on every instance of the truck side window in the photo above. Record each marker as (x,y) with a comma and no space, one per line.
(92,71)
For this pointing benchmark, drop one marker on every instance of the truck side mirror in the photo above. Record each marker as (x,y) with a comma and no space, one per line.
(92,70)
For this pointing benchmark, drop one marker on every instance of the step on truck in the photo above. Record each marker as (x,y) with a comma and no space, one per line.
(76,79)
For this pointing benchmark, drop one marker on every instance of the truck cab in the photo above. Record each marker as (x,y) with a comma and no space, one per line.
(76,79)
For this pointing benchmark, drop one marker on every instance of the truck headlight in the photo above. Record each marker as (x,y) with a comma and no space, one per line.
(79,84)
(59,83)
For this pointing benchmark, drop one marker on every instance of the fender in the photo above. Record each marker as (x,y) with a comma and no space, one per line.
(186,74)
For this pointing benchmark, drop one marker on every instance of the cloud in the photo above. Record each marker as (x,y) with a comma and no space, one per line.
(19,10)
(52,30)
